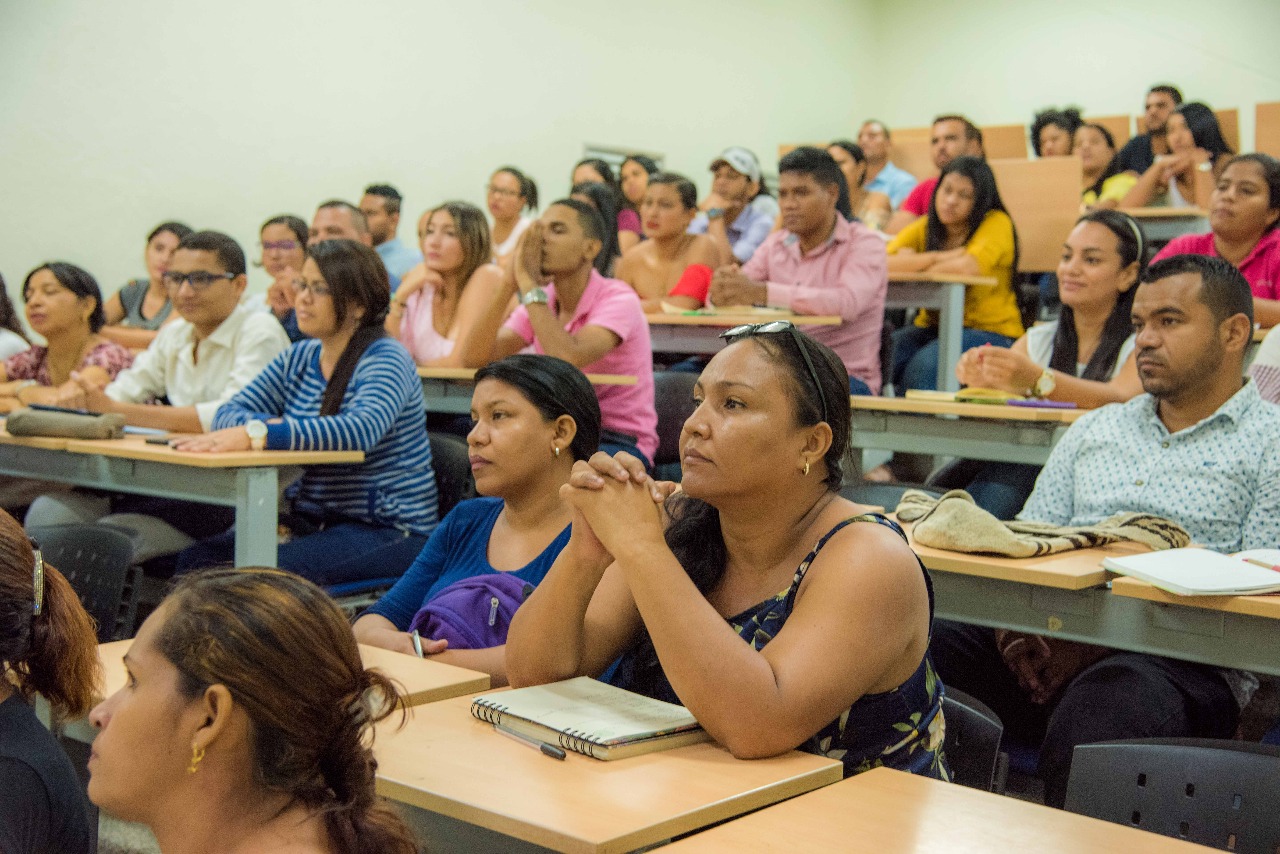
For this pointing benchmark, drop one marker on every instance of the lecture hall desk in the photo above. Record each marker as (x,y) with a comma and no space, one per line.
(700,332)
(944,293)
(1163,224)
(465,787)
(448,390)
(891,812)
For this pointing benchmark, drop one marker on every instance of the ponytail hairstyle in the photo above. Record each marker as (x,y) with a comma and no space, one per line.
(286,654)
(605,201)
(356,277)
(47,642)
(528,189)
(1131,243)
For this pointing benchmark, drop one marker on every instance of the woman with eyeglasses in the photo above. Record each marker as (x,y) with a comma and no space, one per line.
(245,724)
(136,311)
(510,193)
(283,240)
(684,585)
(347,387)
(64,305)
(47,648)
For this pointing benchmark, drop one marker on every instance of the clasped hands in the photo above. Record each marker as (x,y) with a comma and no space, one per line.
(730,287)
(1044,665)
(616,504)
(997,367)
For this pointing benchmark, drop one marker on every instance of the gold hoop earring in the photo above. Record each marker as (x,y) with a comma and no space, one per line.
(806,469)
(197,755)
(556,449)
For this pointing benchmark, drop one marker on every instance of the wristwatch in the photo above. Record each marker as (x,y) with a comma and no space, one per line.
(257,431)
(534,295)
(715,213)
(1044,385)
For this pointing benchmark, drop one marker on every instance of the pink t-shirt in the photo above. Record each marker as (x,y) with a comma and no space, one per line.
(417,328)
(846,276)
(1260,268)
(33,364)
(613,305)
(629,220)
(918,201)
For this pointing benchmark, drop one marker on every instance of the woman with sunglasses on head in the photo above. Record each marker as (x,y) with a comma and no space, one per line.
(348,387)
(47,648)
(534,417)
(1085,357)
(255,743)
(64,305)
(509,194)
(675,582)
(967,231)
(136,311)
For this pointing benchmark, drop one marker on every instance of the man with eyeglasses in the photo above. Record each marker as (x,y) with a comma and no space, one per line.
(381,208)
(194,365)
(819,263)
(198,362)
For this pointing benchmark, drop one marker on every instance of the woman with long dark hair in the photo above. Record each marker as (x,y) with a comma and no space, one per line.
(969,232)
(1185,177)
(627,222)
(1104,183)
(347,387)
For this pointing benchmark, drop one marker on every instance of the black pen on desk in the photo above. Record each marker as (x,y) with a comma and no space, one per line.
(545,748)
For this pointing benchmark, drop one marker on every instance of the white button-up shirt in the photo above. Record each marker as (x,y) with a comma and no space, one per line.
(234,354)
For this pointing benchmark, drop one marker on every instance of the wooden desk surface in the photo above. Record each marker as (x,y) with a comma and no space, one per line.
(942,278)
(48,443)
(1165,213)
(891,812)
(1073,570)
(446,761)
(468,374)
(871,403)
(417,681)
(136,448)
(1255,606)
(730,320)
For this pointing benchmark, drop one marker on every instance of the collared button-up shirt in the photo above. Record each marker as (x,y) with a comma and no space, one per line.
(1219,479)
(745,233)
(846,276)
(230,358)
(398,259)
(895,183)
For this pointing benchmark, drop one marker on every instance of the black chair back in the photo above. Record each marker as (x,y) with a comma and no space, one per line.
(972,740)
(451,463)
(1208,791)
(98,561)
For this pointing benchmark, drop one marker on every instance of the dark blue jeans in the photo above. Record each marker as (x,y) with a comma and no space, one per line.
(915,354)
(346,551)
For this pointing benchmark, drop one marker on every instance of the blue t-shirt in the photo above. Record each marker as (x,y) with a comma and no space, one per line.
(457,549)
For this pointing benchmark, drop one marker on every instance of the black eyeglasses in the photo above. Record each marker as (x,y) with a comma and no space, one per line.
(199,279)
(775,327)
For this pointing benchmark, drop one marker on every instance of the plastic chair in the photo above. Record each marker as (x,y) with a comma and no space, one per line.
(673,398)
(98,561)
(1208,791)
(972,741)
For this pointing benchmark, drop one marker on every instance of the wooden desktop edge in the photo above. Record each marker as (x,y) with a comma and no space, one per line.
(135,448)
(1253,606)
(942,279)
(468,374)
(1165,213)
(729,320)
(995,412)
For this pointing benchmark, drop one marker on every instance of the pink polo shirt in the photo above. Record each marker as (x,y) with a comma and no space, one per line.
(846,276)
(1260,268)
(613,305)
(918,201)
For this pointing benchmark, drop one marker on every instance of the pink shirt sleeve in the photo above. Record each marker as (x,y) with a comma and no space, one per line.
(619,312)
(628,220)
(24,365)
(862,278)
(1187,244)
(757,268)
(519,323)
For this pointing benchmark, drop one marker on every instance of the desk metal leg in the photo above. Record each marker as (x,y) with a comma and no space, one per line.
(950,332)
(257,516)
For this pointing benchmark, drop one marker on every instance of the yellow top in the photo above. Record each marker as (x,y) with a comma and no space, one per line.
(990,309)
(1114,189)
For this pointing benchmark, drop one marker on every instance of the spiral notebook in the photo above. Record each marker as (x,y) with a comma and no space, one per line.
(592,718)
(1200,572)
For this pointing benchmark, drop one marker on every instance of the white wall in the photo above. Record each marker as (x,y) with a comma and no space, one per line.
(120,115)
(1000,61)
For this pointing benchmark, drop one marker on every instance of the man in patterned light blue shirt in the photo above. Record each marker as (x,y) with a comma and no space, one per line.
(1202,448)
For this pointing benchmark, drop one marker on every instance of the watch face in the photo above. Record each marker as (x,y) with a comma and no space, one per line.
(256,429)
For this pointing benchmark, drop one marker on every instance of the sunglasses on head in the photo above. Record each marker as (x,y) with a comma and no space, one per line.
(777,327)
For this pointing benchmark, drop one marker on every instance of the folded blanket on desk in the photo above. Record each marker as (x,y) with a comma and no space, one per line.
(953,522)
(66,425)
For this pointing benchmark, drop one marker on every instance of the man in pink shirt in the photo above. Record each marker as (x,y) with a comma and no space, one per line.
(569,310)
(818,264)
(952,137)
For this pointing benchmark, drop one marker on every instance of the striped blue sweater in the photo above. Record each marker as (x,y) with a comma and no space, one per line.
(382,414)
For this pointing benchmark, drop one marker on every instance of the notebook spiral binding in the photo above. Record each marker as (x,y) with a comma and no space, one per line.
(578,741)
(488,712)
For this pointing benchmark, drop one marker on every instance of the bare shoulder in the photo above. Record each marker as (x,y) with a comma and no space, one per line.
(870,550)
(702,250)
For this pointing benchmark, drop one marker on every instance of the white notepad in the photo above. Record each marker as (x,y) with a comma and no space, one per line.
(1200,572)
(591,717)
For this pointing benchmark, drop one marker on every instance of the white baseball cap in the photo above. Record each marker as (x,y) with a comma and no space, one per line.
(739,159)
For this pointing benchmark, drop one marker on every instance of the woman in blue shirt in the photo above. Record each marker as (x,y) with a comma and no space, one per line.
(348,387)
(534,416)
